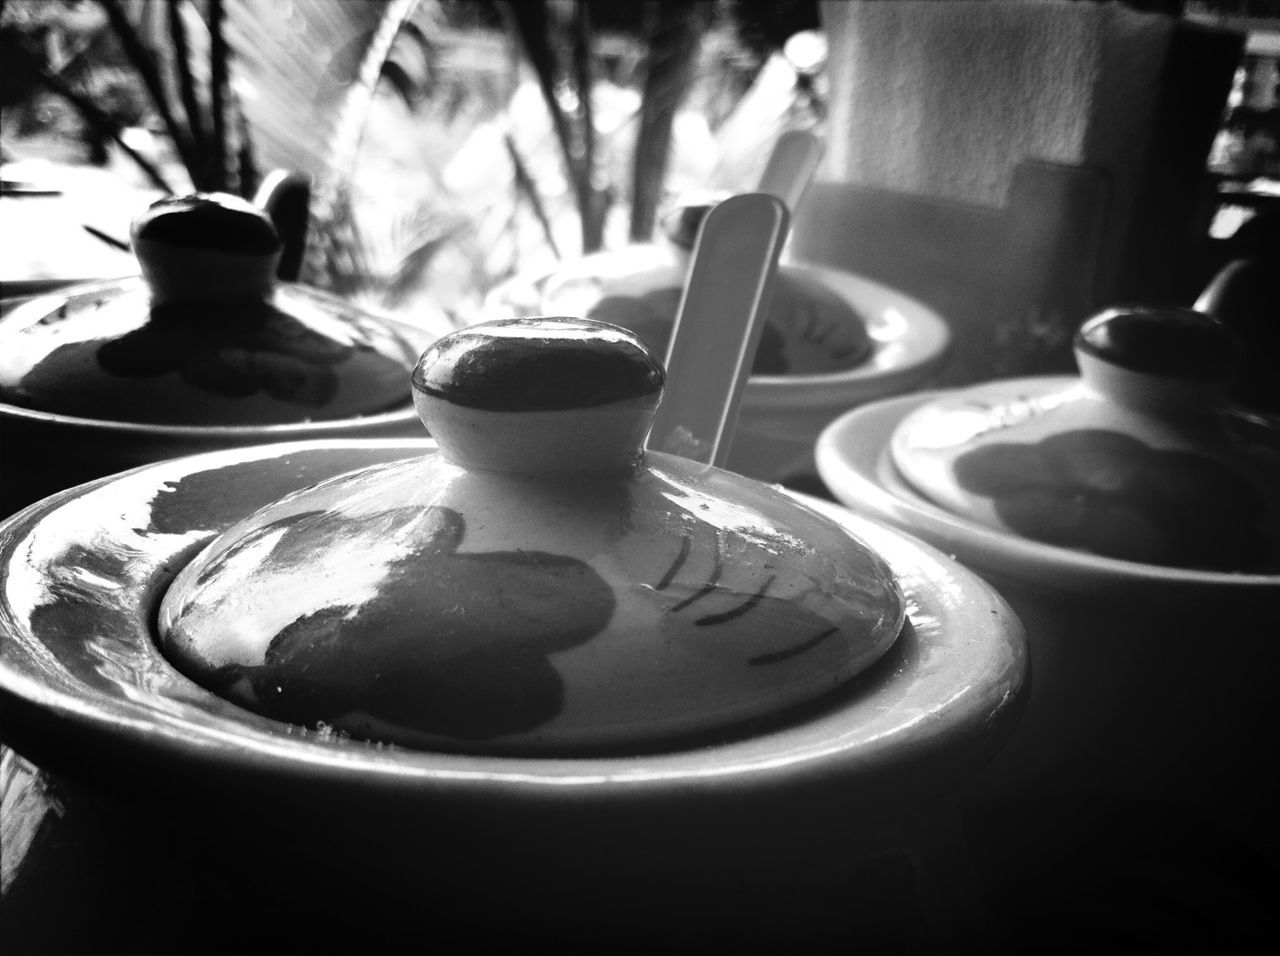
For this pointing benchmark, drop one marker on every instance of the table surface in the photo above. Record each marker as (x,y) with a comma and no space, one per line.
(67,227)
(82,873)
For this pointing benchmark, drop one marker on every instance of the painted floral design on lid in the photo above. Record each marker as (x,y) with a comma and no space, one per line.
(542,585)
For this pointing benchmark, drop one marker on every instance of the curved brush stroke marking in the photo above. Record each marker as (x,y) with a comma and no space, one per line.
(686,544)
(775,657)
(738,611)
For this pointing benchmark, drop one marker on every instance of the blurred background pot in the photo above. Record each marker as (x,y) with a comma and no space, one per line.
(832,340)
(206,350)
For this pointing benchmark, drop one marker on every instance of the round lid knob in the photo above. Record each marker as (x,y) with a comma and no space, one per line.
(208,338)
(500,598)
(206,246)
(1157,358)
(541,394)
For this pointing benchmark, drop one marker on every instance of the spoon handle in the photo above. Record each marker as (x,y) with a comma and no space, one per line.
(791,164)
(718,326)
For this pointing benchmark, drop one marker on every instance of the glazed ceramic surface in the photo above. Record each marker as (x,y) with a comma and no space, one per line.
(206,339)
(1140,459)
(782,415)
(106,352)
(86,688)
(855,459)
(540,585)
(206,352)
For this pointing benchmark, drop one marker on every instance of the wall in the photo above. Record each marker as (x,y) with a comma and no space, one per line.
(944,99)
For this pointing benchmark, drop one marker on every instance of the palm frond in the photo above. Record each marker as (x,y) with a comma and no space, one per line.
(144,63)
(218,57)
(303,71)
(592,202)
(418,249)
(186,77)
(673,46)
(99,120)
(527,188)
(575,132)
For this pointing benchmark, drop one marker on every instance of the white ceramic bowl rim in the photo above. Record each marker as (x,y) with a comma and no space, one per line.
(854,460)
(300,429)
(267,431)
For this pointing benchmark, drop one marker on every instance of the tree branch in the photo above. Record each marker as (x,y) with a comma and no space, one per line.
(186,81)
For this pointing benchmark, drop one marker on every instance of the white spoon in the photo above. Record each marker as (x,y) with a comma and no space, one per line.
(791,165)
(718,326)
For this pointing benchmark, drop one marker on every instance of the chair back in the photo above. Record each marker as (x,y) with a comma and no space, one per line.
(1014,281)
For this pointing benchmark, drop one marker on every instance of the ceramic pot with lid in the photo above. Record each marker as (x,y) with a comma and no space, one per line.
(694,600)
(1132,516)
(1141,460)
(537,656)
(830,340)
(205,350)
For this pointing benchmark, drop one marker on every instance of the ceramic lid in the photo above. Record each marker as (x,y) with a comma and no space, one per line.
(206,337)
(1141,458)
(809,329)
(541,585)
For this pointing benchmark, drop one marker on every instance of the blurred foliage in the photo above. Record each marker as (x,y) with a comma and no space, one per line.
(491,136)
(507,167)
(125,63)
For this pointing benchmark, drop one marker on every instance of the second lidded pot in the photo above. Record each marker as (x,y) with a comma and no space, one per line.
(1132,517)
(206,350)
